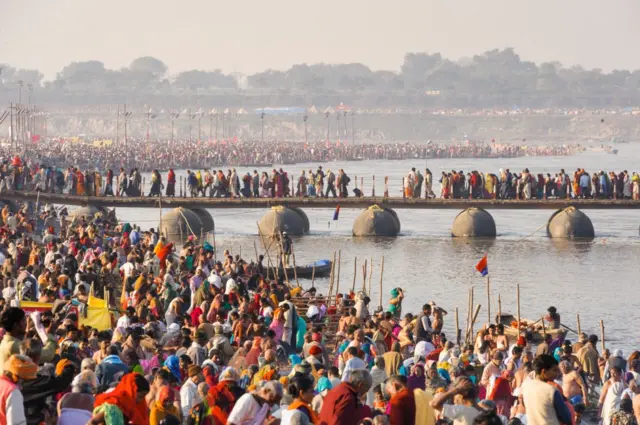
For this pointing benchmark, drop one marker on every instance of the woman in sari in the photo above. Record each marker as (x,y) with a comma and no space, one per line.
(163,406)
(80,186)
(417,379)
(501,393)
(277,325)
(172,364)
(264,185)
(125,404)
(223,396)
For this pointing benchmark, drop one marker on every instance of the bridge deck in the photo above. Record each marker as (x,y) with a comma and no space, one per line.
(351,202)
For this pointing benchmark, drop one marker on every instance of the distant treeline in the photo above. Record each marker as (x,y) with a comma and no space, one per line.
(497,78)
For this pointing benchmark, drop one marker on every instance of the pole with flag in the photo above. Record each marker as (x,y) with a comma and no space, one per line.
(483,268)
(336,213)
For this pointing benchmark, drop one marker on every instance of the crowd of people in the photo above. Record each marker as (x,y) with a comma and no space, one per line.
(201,337)
(524,185)
(181,154)
(16,174)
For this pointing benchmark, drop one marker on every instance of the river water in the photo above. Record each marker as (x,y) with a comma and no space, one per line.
(594,279)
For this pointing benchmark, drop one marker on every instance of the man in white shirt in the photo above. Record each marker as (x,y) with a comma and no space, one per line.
(253,408)
(189,396)
(462,412)
(353,362)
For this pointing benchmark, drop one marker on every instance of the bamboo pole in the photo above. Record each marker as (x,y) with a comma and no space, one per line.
(475,316)
(370,276)
(295,272)
(466,327)
(381,273)
(355,274)
(518,301)
(499,309)
(333,266)
(267,250)
(457,327)
(488,299)
(364,277)
(338,278)
(578,323)
(604,347)
(313,275)
(544,330)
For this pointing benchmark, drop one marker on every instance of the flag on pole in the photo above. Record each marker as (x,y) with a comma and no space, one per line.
(336,213)
(483,266)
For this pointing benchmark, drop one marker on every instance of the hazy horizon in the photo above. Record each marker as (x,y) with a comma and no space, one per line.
(253,36)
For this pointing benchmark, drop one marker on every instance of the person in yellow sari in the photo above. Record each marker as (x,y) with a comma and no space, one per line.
(97,181)
(163,406)
(80,185)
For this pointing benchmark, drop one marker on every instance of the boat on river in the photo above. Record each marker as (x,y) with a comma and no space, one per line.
(322,269)
(533,330)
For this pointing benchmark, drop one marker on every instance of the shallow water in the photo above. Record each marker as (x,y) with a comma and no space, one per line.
(596,279)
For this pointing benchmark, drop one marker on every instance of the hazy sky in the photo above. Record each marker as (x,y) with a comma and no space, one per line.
(250,35)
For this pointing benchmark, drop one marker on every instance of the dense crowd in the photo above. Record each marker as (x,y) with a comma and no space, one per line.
(201,337)
(182,154)
(505,184)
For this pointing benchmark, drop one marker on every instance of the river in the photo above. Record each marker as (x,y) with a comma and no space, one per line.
(594,279)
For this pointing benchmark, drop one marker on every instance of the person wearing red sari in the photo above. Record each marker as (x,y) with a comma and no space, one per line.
(127,399)
(501,393)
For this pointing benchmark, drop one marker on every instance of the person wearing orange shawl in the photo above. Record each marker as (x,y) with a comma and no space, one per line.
(300,410)
(501,393)
(162,251)
(222,397)
(164,406)
(125,404)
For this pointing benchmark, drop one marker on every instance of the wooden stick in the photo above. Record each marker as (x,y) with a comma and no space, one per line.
(499,310)
(488,299)
(284,266)
(381,273)
(602,335)
(544,330)
(295,272)
(355,274)
(578,322)
(457,327)
(518,300)
(338,279)
(255,249)
(364,277)
(267,250)
(466,328)
(333,266)
(313,275)
(473,320)
(370,276)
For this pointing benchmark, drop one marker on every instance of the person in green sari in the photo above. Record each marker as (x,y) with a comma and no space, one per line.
(395,303)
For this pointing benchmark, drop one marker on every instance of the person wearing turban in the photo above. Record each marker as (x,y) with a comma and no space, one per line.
(315,356)
(189,396)
(17,369)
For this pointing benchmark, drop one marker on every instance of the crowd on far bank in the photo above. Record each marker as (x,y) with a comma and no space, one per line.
(147,155)
(199,337)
